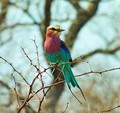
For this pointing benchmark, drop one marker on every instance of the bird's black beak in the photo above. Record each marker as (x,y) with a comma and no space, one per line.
(60,30)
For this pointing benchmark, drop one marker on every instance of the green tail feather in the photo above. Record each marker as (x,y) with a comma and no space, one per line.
(68,74)
(69,77)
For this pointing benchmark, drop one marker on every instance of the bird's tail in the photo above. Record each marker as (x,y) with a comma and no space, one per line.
(69,77)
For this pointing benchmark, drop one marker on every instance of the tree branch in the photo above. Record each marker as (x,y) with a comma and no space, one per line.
(83,15)
(5,4)
(77,60)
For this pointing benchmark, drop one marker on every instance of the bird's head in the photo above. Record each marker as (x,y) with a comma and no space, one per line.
(54,30)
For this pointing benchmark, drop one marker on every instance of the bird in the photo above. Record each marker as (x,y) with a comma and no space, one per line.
(57,52)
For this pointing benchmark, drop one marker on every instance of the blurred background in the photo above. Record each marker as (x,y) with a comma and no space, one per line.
(92,32)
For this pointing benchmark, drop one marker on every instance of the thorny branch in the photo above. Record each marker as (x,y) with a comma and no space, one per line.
(15,70)
(66,108)
(109,110)
(29,97)
(15,89)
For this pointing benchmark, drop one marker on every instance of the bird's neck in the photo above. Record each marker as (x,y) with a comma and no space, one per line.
(52,43)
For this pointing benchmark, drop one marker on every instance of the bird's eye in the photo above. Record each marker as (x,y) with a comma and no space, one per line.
(53,28)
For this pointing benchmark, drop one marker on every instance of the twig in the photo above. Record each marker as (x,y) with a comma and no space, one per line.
(109,110)
(15,70)
(15,89)
(31,62)
(66,108)
(37,54)
(35,66)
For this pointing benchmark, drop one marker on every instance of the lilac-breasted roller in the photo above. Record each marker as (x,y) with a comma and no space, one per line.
(57,52)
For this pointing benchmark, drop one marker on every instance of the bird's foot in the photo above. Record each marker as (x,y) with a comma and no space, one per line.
(54,65)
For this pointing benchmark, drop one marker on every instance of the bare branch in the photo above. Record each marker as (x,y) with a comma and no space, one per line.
(47,12)
(46,21)
(5,4)
(58,83)
(26,12)
(15,89)
(77,60)
(15,70)
(109,110)
(4,84)
(75,4)
(66,108)
(16,25)
(29,97)
(83,15)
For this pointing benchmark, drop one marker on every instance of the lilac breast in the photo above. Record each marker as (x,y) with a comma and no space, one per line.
(52,45)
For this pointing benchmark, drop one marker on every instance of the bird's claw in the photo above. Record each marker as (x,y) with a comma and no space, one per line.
(54,64)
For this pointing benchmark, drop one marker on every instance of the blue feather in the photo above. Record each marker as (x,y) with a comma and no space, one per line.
(65,48)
